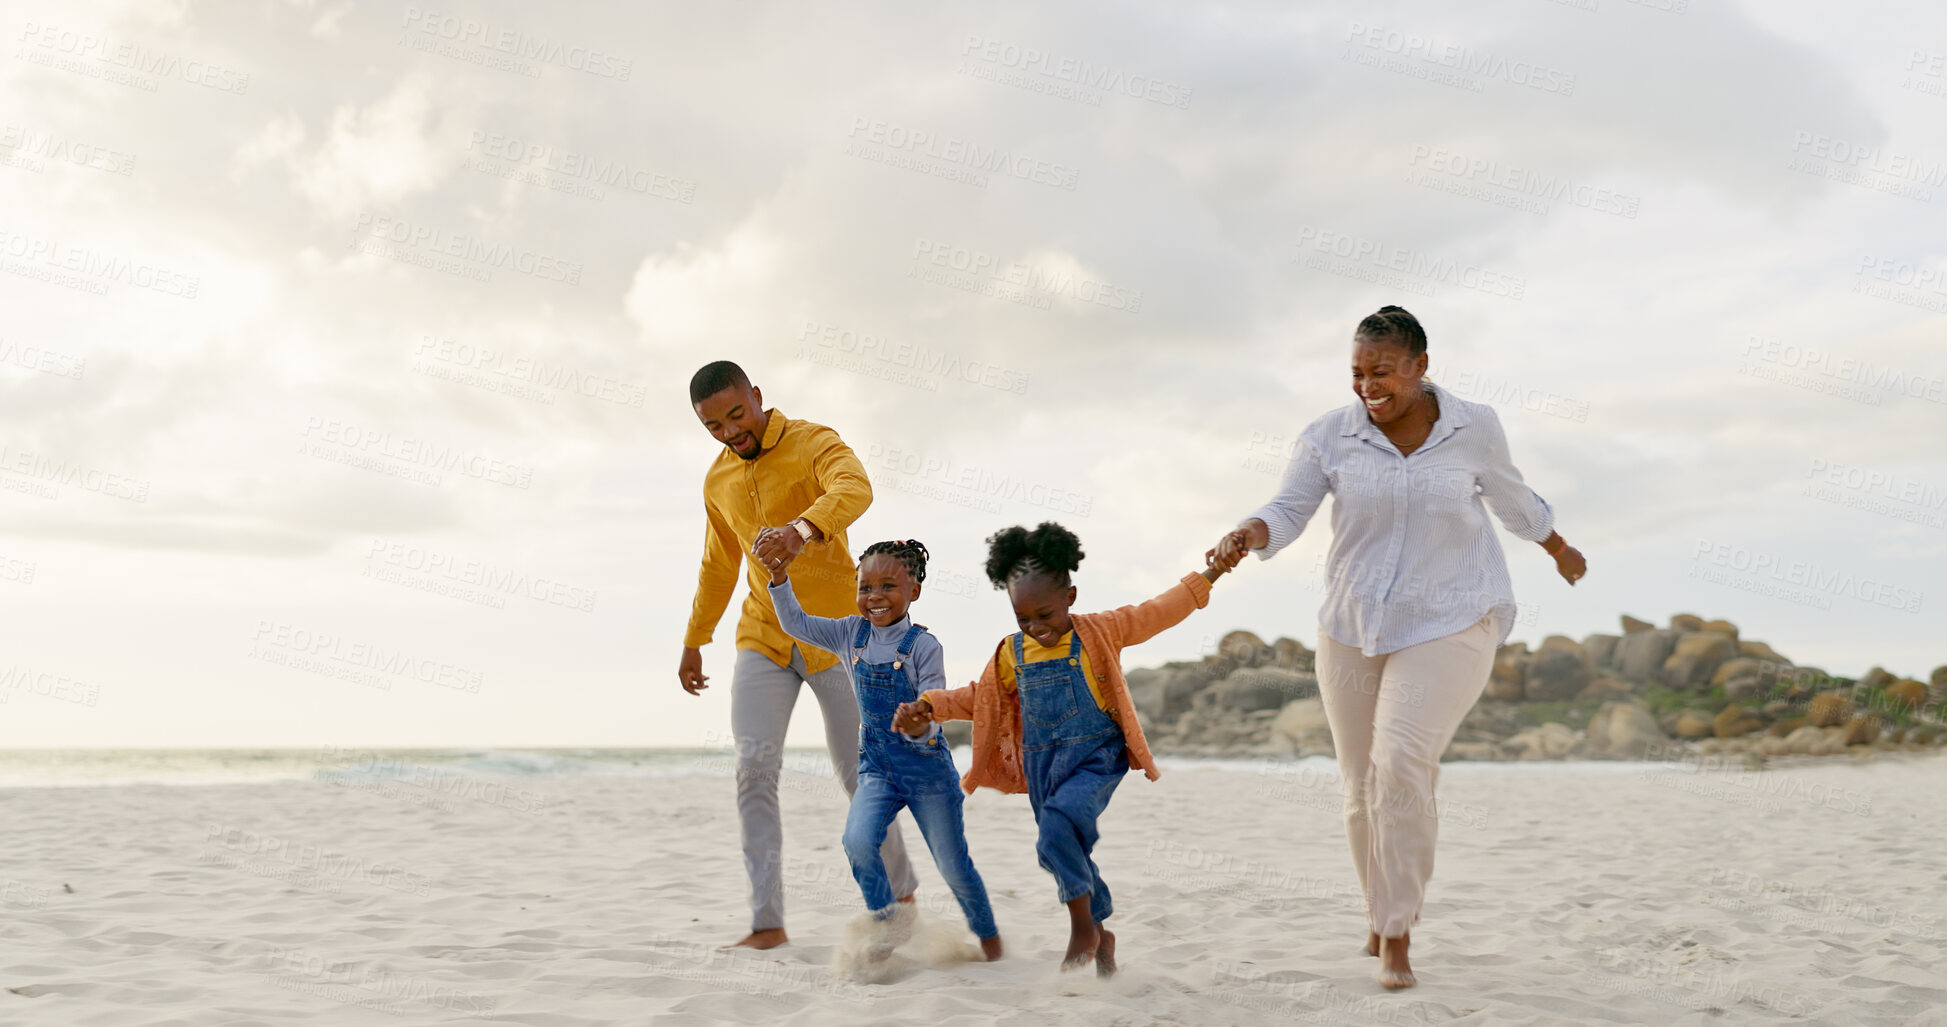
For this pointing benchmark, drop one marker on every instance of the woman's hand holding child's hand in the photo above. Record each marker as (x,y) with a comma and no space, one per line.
(1222,559)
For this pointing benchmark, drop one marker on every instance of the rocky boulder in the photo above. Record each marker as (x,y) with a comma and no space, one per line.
(1550,741)
(1733,721)
(1303,723)
(1162,694)
(1862,729)
(1937,683)
(1736,667)
(1640,655)
(1695,724)
(1601,650)
(1686,622)
(1722,627)
(1631,625)
(1555,674)
(1263,688)
(1828,709)
(1695,657)
(1760,651)
(1907,693)
(1508,679)
(1623,731)
(1241,649)
(1878,677)
(1605,689)
(1291,654)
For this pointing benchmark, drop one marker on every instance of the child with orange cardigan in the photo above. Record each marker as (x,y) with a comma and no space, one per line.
(1052,713)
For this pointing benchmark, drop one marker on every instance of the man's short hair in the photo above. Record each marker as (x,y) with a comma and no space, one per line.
(714,377)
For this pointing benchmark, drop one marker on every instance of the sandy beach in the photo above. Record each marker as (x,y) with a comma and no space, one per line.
(1565,893)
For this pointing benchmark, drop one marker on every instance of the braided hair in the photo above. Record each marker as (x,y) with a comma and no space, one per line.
(1016,552)
(910,552)
(1394,324)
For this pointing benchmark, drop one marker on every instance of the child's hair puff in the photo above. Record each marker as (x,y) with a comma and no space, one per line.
(1049,549)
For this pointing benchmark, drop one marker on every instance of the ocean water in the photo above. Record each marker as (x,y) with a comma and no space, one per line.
(77,768)
(81,768)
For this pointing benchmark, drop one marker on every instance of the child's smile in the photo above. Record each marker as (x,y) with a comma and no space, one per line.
(886,588)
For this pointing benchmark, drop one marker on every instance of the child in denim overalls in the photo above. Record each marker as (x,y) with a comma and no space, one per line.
(1055,719)
(891,659)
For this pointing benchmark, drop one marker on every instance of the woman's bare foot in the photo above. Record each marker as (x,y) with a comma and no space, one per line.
(1372,943)
(1394,971)
(1084,936)
(1105,954)
(768,938)
(991,947)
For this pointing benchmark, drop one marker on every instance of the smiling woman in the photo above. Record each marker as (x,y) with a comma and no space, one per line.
(1419,596)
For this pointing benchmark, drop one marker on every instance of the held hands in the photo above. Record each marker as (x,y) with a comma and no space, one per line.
(1232,548)
(1220,561)
(776,553)
(775,548)
(912,718)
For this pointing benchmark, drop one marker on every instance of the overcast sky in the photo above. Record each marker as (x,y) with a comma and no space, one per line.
(317,311)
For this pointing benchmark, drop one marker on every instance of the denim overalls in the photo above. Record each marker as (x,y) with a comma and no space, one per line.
(1074,757)
(895,771)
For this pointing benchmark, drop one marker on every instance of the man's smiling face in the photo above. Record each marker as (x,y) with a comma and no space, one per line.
(735,417)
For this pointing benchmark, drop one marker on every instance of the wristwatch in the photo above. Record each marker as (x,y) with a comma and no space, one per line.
(804,528)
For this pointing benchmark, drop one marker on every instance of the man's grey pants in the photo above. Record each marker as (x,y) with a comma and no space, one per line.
(761,696)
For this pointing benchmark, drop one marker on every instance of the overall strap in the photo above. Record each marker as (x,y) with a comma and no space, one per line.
(912,637)
(858,640)
(1019,657)
(1074,643)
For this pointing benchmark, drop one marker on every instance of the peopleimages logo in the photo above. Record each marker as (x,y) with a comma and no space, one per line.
(1460,60)
(953,150)
(1803,575)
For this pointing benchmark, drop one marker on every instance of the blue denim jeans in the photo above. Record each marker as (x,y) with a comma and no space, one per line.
(1074,758)
(897,772)
(937,811)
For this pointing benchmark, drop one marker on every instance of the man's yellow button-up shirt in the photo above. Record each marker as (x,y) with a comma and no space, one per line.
(804,470)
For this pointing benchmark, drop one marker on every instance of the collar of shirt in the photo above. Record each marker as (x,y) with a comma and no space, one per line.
(1453,416)
(773,430)
(890,634)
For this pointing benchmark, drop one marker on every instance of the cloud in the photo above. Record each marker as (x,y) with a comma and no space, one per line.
(380,154)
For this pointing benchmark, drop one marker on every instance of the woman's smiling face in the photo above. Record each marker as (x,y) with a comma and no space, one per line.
(1386,378)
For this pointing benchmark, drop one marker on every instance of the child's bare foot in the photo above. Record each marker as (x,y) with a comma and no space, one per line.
(1082,946)
(991,947)
(769,938)
(1372,943)
(1105,955)
(1084,935)
(1394,971)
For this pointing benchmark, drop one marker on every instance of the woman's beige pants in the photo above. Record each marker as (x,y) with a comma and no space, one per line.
(1391,717)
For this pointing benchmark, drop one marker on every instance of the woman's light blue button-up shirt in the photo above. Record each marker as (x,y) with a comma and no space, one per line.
(1413,557)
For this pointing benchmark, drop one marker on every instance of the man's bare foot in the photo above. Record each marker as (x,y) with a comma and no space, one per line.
(1105,955)
(1372,943)
(1394,971)
(991,947)
(1084,935)
(769,938)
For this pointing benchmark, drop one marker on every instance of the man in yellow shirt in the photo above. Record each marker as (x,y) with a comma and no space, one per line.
(781,488)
